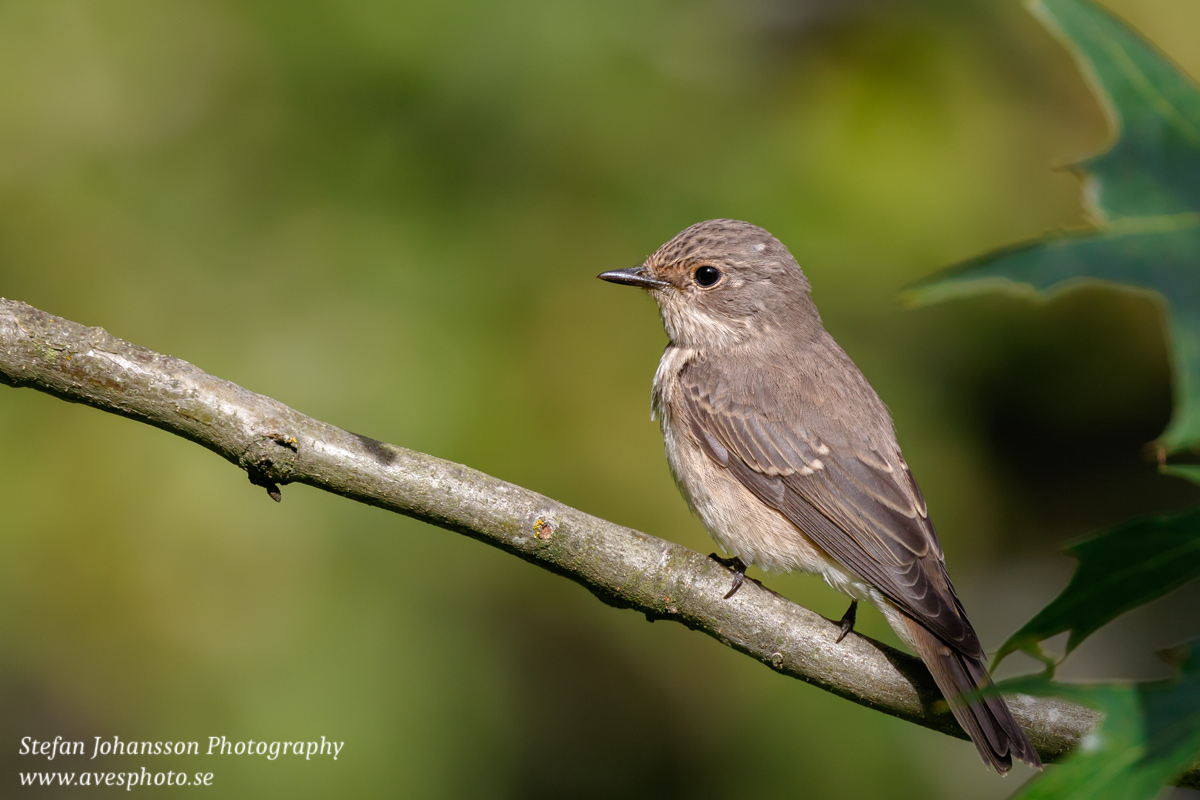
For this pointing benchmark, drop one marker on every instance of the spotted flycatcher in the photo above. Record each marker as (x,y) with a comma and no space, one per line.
(790,458)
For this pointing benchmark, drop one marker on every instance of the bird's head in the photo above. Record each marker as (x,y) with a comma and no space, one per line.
(721,281)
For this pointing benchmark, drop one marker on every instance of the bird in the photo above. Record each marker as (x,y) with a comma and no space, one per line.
(790,459)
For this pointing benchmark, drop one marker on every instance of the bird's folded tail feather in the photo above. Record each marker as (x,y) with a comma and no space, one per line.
(987,719)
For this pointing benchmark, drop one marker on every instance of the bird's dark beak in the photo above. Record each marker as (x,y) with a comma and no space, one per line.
(633,276)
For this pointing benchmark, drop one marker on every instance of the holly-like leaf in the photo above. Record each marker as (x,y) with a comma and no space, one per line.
(1149,735)
(1119,570)
(1144,194)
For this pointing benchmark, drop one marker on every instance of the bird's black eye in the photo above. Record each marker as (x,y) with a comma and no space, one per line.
(706,276)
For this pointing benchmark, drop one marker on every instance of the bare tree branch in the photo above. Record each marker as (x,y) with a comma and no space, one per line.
(625,568)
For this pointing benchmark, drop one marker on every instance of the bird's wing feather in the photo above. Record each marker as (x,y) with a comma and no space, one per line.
(860,507)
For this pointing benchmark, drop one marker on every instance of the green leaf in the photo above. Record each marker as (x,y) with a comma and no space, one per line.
(1144,193)
(1189,472)
(1119,570)
(1149,735)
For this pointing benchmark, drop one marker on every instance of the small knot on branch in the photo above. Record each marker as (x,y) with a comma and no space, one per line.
(268,461)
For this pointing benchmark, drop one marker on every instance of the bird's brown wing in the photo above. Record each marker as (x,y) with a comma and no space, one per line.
(861,507)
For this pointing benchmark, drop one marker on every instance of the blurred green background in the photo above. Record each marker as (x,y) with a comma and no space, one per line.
(390,217)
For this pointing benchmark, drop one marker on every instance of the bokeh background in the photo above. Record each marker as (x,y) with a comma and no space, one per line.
(390,216)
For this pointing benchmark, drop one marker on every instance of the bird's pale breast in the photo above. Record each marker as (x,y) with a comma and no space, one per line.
(739,522)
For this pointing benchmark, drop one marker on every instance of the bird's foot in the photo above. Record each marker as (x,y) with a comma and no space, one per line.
(739,572)
(846,623)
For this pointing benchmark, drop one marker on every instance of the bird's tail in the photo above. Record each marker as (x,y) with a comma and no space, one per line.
(986,720)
